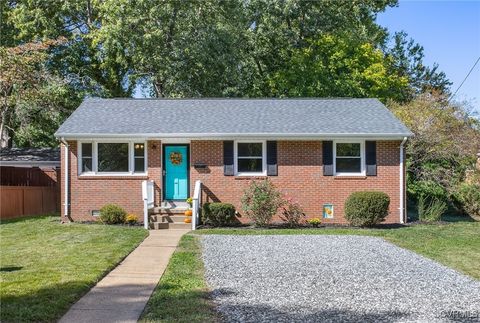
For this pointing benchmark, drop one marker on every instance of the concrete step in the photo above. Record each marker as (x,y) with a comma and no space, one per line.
(167,211)
(167,218)
(174,204)
(173,218)
(167,225)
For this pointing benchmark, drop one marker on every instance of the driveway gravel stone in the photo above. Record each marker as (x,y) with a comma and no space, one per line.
(306,278)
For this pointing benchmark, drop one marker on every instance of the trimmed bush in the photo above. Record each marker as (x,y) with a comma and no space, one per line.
(366,208)
(468,196)
(218,214)
(261,201)
(112,214)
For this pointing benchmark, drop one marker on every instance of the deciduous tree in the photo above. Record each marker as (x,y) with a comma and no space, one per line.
(33,100)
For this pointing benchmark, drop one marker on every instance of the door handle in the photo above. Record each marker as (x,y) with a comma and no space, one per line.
(164,172)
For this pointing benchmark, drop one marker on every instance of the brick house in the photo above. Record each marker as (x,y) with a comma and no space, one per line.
(317,151)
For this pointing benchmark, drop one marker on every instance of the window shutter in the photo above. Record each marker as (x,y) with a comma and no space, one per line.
(371,157)
(228,158)
(327,147)
(272,168)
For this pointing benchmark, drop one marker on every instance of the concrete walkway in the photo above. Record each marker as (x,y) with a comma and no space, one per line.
(122,295)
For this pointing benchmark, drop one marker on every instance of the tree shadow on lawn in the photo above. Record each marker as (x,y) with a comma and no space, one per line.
(170,303)
(457,218)
(43,305)
(10,268)
(55,218)
(51,303)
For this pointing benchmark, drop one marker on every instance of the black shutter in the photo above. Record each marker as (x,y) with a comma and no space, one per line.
(371,157)
(327,147)
(228,158)
(272,168)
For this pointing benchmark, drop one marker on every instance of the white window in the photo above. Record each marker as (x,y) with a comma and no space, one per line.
(250,158)
(139,157)
(349,158)
(87,157)
(112,158)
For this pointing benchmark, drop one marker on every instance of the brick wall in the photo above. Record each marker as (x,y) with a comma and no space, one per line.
(89,193)
(300,176)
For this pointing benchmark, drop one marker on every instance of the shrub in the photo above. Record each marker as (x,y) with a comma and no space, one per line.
(366,208)
(430,211)
(468,196)
(260,201)
(131,219)
(292,213)
(112,214)
(315,222)
(218,214)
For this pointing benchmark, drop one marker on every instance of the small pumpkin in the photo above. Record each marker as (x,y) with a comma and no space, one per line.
(188,220)
(188,212)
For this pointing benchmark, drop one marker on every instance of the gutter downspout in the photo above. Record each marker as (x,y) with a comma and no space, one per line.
(65,174)
(402,184)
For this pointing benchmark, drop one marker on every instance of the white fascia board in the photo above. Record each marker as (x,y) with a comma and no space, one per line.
(225,136)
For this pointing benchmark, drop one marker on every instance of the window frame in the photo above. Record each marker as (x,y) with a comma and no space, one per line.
(144,156)
(264,157)
(80,156)
(362,157)
(131,157)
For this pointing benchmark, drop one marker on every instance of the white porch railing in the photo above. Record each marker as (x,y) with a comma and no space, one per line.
(196,204)
(147,195)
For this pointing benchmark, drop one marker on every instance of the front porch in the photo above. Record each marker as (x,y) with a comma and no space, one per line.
(170,215)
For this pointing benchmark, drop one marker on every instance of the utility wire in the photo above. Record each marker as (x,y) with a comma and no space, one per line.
(478,59)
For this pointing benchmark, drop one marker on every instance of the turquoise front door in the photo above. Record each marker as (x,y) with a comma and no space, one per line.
(176,172)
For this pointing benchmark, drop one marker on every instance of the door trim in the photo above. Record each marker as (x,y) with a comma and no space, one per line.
(164,169)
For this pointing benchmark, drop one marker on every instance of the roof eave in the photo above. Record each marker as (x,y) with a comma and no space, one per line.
(213,136)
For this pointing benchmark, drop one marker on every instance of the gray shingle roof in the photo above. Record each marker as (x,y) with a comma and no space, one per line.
(30,157)
(231,117)
(30,154)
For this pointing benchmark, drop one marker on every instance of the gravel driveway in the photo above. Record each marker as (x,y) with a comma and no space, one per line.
(307,278)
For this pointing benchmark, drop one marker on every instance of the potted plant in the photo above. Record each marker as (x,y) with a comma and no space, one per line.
(314,222)
(190,201)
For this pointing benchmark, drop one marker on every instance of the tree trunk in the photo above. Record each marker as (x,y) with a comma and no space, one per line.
(4,136)
(159,90)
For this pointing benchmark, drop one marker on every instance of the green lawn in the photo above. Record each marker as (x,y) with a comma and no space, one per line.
(182,294)
(455,244)
(46,266)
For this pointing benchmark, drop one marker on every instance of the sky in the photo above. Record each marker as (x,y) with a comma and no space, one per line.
(449,31)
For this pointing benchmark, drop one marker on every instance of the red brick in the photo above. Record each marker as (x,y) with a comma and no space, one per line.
(300,176)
